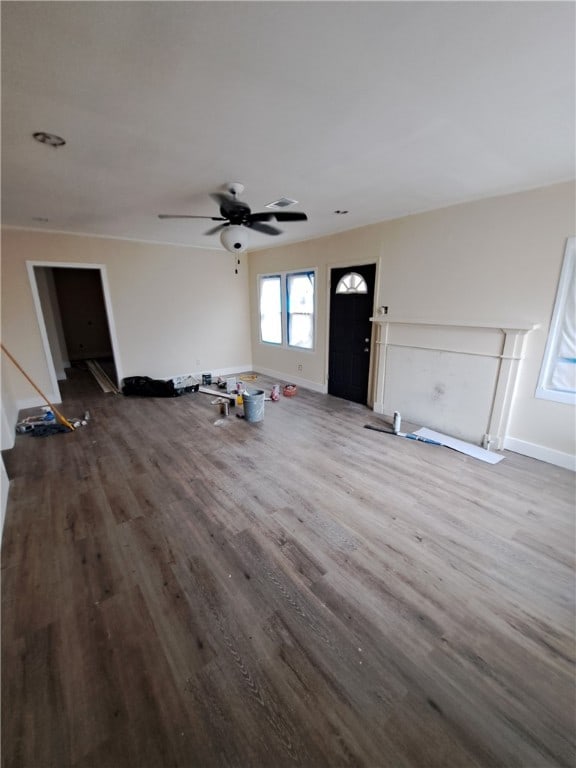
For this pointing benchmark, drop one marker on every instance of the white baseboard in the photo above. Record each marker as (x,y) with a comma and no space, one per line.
(283,377)
(215,372)
(228,371)
(540,452)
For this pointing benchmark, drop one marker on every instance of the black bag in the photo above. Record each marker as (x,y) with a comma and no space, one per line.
(144,386)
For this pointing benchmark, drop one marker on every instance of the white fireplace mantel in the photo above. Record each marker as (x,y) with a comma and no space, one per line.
(425,346)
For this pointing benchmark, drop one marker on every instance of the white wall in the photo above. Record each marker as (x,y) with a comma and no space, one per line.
(176,310)
(52,319)
(490,261)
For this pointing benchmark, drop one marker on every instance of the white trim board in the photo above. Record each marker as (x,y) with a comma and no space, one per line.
(460,445)
(541,452)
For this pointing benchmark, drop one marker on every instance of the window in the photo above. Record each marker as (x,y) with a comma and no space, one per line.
(558,374)
(300,305)
(271,309)
(287,309)
(352,283)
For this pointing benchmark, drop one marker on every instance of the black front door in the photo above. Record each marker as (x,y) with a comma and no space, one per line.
(350,333)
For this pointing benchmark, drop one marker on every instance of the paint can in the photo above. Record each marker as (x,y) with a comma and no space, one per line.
(222,405)
(206,379)
(254,405)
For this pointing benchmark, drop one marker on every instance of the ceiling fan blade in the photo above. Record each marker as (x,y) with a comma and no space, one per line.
(290,216)
(216,229)
(265,228)
(262,216)
(186,216)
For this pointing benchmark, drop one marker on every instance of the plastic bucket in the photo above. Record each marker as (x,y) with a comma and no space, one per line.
(254,405)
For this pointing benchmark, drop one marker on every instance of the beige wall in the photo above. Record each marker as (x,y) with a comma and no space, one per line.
(176,310)
(491,261)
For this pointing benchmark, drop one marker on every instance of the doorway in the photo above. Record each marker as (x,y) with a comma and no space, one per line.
(74,314)
(351,307)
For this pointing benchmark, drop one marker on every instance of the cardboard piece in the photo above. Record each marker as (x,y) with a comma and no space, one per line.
(461,446)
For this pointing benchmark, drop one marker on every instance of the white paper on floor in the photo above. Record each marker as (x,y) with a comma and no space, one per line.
(460,445)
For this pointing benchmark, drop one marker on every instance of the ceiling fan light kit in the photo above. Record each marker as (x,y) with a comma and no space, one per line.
(234,238)
(237,219)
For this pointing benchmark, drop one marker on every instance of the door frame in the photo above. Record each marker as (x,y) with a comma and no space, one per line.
(30,265)
(371,372)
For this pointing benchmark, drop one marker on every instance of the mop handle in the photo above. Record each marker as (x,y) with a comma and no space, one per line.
(61,418)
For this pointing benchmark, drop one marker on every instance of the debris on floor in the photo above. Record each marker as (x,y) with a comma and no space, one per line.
(104,381)
(144,386)
(425,435)
(222,404)
(460,445)
(45,423)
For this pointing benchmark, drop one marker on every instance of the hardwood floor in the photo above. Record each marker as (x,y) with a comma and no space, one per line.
(299,592)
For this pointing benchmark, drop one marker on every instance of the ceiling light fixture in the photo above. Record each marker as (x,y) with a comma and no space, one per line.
(234,238)
(49,138)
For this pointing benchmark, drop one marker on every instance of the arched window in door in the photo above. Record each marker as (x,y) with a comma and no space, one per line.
(352,282)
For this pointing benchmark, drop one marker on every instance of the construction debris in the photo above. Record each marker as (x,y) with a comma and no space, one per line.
(42,425)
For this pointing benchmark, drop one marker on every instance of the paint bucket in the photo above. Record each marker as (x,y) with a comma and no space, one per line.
(254,405)
(206,379)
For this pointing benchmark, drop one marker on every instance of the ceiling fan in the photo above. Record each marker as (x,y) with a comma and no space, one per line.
(237,219)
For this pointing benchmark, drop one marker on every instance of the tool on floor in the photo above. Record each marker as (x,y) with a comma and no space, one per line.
(396,431)
(64,421)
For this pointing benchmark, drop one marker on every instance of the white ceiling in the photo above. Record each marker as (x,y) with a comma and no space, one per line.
(379,108)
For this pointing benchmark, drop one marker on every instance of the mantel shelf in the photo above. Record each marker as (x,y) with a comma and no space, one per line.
(510,327)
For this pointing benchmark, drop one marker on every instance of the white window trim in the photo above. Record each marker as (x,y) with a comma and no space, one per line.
(543,391)
(284,309)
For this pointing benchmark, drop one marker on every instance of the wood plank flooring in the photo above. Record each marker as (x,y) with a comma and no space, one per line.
(299,592)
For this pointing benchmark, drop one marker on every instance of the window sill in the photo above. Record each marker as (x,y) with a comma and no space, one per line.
(556,396)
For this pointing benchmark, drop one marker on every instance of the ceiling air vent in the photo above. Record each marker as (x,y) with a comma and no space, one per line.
(283,202)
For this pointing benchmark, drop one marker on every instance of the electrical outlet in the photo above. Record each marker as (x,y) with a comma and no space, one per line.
(300,368)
